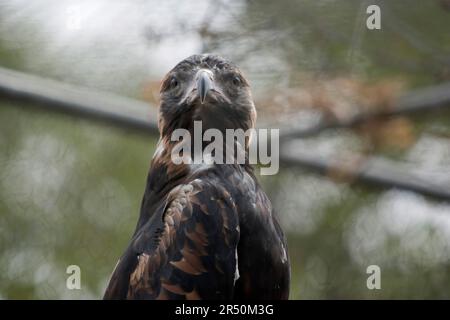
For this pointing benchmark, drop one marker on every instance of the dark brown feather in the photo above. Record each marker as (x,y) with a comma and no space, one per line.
(209,233)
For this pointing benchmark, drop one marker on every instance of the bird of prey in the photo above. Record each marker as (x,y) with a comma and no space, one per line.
(204,231)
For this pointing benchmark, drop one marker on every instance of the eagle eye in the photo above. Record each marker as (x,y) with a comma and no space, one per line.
(236,81)
(173,83)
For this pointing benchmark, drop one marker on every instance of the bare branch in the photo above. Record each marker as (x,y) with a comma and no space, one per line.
(373,170)
(83,102)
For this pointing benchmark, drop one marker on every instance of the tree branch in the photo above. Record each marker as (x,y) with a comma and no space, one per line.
(373,170)
(57,96)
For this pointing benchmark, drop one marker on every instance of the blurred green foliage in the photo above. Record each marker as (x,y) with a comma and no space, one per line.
(70,194)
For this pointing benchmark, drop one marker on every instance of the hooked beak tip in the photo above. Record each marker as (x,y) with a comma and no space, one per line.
(204,85)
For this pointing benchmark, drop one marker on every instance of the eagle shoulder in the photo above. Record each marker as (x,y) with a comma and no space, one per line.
(187,250)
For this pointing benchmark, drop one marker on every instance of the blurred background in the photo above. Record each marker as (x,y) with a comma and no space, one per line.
(350,193)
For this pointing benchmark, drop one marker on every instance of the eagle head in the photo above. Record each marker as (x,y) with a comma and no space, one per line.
(205,88)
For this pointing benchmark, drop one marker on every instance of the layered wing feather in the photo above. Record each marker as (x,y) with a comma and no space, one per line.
(187,250)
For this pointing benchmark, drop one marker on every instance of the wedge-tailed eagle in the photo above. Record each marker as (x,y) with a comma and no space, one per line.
(204,232)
